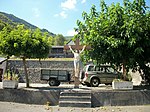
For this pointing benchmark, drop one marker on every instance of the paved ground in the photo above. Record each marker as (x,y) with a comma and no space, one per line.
(35,86)
(62,86)
(17,107)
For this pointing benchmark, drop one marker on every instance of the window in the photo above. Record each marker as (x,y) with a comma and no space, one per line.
(91,68)
(109,70)
(97,68)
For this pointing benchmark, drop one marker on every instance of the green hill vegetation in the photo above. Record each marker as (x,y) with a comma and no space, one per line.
(12,21)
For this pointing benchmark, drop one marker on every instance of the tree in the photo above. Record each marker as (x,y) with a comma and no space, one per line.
(118,34)
(24,43)
(59,40)
(51,40)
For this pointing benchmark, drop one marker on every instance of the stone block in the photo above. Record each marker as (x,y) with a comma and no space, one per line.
(122,85)
(12,84)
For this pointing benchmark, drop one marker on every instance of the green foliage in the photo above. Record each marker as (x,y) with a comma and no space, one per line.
(59,40)
(118,34)
(11,75)
(24,43)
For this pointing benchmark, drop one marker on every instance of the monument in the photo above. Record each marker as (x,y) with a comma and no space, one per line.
(76,51)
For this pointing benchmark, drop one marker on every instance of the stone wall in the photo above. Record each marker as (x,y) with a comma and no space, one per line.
(30,96)
(98,97)
(34,67)
(120,98)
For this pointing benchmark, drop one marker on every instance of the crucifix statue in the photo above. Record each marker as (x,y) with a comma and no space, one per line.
(76,51)
(77,59)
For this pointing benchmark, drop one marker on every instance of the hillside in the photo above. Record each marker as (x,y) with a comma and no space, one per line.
(13,20)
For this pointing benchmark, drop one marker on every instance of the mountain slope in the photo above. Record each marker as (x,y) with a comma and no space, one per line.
(13,20)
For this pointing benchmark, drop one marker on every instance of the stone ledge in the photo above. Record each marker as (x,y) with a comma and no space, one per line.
(120,98)
(98,98)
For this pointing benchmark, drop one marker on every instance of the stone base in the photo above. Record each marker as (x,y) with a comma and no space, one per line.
(12,84)
(122,85)
(76,82)
(99,97)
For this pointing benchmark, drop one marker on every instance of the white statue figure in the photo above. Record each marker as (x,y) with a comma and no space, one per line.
(77,60)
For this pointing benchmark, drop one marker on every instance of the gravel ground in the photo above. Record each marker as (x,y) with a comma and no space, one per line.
(17,107)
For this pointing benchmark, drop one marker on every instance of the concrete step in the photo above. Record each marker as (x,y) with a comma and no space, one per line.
(75,99)
(74,104)
(74,94)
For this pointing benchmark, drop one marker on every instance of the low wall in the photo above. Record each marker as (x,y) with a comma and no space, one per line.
(98,98)
(30,96)
(120,98)
(34,67)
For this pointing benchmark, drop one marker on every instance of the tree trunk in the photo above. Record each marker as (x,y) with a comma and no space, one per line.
(7,67)
(25,71)
(124,70)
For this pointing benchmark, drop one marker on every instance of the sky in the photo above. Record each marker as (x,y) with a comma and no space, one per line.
(57,16)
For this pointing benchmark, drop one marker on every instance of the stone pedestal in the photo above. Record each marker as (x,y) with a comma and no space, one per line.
(76,82)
